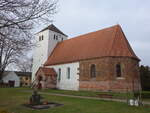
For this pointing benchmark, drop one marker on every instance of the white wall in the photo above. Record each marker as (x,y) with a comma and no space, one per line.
(52,43)
(65,83)
(12,76)
(44,48)
(40,52)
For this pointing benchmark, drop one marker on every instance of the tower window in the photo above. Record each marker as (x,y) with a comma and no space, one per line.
(93,71)
(39,38)
(118,70)
(42,37)
(54,37)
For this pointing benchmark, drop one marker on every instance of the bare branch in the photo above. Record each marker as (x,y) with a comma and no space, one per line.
(17,19)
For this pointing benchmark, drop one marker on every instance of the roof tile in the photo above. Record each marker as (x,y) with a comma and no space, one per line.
(46,71)
(106,42)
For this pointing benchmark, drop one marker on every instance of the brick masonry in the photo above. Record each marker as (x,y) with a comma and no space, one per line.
(106,79)
(47,81)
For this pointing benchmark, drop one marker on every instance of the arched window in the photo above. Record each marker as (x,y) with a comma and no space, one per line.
(93,71)
(118,70)
(59,74)
(68,72)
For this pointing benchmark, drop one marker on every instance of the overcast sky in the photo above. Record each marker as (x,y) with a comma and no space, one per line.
(76,17)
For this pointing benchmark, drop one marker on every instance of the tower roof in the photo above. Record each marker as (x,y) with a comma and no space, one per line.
(53,28)
(103,43)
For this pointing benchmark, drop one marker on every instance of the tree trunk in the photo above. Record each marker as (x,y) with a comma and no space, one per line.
(1,75)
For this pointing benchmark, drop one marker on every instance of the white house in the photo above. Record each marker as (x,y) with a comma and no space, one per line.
(12,78)
(94,61)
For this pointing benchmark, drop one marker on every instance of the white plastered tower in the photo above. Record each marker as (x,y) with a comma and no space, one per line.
(46,41)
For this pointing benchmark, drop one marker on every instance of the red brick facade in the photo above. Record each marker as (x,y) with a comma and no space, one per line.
(106,78)
(46,78)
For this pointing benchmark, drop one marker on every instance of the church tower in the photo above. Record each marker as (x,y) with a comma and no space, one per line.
(46,41)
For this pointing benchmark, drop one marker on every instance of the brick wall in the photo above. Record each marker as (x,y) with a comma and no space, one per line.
(47,81)
(106,79)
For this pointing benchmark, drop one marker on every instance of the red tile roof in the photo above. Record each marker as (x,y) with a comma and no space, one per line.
(46,71)
(106,42)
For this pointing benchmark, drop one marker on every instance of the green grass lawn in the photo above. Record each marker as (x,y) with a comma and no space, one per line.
(90,93)
(11,99)
(145,94)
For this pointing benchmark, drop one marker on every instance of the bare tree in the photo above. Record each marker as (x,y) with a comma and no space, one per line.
(17,18)
(12,47)
(25,64)
(22,13)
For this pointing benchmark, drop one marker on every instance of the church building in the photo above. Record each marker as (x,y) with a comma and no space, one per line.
(102,61)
